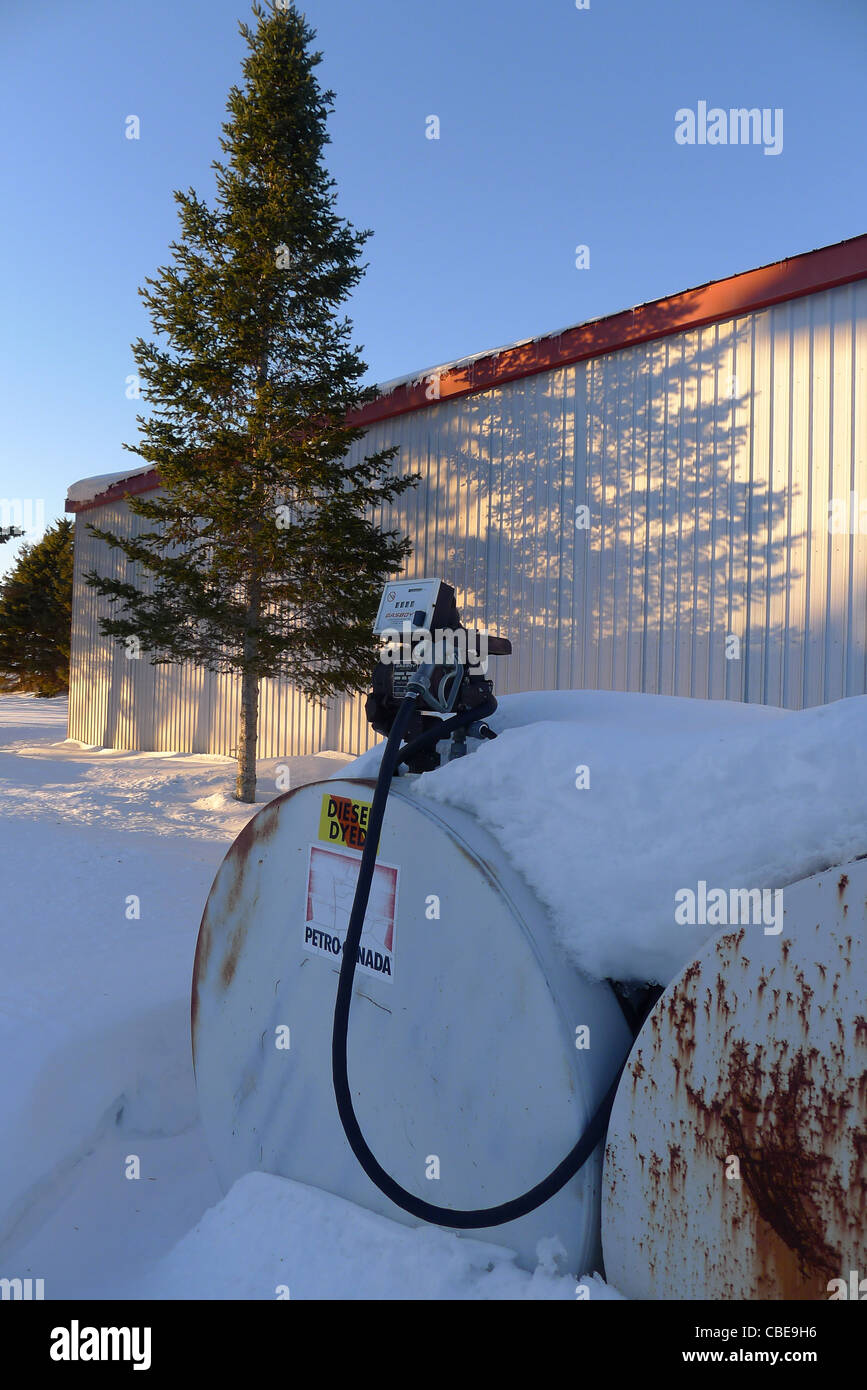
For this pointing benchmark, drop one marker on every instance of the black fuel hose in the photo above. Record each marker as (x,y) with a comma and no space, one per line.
(427,1211)
(441,728)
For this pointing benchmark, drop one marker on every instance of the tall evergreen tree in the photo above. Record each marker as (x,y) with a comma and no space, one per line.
(263,558)
(36,614)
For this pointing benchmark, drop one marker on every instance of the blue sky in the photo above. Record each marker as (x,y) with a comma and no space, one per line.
(557,128)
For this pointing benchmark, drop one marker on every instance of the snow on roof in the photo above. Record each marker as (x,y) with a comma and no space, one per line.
(86,489)
(440,368)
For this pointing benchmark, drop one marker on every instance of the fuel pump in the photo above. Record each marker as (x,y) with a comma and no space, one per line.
(422,637)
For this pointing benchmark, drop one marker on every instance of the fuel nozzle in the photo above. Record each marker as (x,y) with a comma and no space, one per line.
(419,683)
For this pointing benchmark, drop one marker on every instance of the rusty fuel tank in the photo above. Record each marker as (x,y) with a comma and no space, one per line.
(736,1161)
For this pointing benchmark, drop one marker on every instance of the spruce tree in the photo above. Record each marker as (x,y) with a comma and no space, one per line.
(262,557)
(36,614)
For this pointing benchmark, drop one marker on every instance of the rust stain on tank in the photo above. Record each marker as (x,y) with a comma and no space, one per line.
(268,823)
(204,943)
(231,878)
(194,1015)
(780,1114)
(238,935)
(236,941)
(782,1173)
(843,884)
(236,865)
(236,883)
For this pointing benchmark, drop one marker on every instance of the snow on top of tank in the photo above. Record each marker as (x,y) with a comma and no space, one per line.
(636,818)
(86,489)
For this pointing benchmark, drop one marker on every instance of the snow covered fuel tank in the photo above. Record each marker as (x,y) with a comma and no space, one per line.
(468,1062)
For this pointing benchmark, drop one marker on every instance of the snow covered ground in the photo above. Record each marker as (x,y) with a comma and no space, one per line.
(94,1029)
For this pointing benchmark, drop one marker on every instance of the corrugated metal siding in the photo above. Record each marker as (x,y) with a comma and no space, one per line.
(707,460)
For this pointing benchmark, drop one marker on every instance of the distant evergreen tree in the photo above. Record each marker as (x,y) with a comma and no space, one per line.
(36,614)
(262,558)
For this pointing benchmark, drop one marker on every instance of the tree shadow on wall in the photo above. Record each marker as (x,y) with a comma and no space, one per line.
(683,542)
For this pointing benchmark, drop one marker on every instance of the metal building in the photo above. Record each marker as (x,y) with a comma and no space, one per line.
(666,500)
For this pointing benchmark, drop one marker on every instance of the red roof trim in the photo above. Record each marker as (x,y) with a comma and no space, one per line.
(721,299)
(810,273)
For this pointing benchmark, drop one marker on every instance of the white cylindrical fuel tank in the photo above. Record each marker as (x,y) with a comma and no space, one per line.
(736,1162)
(477,1053)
